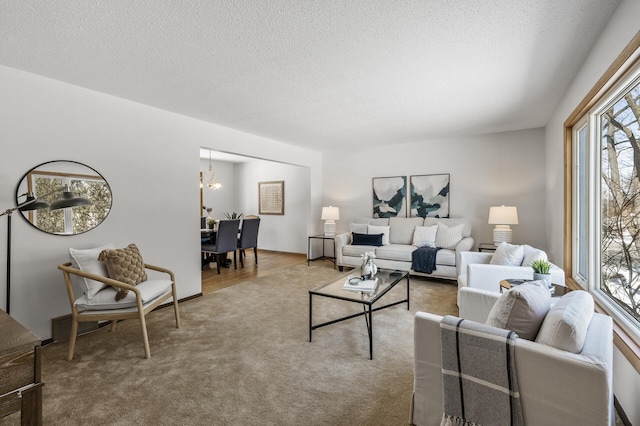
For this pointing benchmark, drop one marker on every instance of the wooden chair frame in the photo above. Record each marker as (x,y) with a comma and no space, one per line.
(139,311)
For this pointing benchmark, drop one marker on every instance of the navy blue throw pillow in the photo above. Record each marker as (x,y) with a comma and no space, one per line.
(366,239)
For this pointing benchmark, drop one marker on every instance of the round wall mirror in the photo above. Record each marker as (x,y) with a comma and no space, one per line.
(63,197)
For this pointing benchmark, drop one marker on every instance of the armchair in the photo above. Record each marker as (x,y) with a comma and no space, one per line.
(102,306)
(549,379)
(475,270)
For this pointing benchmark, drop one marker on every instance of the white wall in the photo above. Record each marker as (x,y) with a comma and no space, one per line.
(149,157)
(618,33)
(277,232)
(503,168)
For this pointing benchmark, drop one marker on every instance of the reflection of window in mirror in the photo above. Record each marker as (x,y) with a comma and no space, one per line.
(70,220)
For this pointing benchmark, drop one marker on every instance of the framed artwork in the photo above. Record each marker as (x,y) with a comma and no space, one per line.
(271,197)
(429,195)
(390,196)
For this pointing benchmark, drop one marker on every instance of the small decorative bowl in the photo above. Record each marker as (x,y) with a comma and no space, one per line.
(355,281)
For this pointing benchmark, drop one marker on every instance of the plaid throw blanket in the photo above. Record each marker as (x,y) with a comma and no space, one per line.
(479,375)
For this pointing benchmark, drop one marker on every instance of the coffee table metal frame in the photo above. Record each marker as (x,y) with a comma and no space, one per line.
(357,297)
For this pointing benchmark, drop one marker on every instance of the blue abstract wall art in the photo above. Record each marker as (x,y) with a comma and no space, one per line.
(429,195)
(390,196)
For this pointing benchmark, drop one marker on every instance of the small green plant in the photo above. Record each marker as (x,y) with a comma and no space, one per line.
(233,215)
(541,266)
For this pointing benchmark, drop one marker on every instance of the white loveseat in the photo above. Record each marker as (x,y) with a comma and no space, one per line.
(557,387)
(477,271)
(397,253)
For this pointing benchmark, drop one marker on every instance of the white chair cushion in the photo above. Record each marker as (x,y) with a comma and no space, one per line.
(448,237)
(425,236)
(565,326)
(531,254)
(105,299)
(508,255)
(384,230)
(522,309)
(87,260)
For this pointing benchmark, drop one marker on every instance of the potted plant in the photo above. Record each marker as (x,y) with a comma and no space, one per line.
(541,270)
(233,215)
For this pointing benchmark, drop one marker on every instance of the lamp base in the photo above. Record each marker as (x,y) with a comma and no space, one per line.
(502,234)
(329,228)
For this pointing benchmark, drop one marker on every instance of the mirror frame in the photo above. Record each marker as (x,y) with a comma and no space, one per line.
(26,214)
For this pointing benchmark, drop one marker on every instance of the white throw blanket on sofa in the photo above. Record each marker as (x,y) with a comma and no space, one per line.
(479,375)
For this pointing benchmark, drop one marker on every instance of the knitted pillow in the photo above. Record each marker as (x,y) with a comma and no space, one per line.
(124,265)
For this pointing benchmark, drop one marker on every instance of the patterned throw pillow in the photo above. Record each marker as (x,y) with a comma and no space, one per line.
(124,265)
(448,237)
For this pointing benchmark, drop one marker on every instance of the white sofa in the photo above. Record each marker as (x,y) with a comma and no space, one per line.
(397,254)
(557,387)
(477,272)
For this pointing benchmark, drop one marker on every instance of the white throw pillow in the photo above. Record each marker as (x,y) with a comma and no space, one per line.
(87,260)
(522,309)
(565,326)
(531,254)
(508,255)
(448,237)
(425,236)
(384,230)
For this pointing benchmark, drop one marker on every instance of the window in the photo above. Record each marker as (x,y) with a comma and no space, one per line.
(603,148)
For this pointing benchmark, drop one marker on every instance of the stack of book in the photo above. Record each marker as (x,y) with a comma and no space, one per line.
(367,286)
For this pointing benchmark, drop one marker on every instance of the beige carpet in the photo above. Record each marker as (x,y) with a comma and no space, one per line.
(242,357)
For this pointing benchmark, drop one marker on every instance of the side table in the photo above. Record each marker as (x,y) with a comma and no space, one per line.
(20,382)
(488,247)
(558,290)
(323,257)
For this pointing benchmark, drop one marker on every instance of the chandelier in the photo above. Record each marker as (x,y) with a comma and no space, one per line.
(210,177)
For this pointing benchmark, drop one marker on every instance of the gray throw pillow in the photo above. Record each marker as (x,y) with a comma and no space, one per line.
(522,309)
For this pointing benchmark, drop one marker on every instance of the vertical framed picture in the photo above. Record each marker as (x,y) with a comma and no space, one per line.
(390,196)
(429,195)
(271,197)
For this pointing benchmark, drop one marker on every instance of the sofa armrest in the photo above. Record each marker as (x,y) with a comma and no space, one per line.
(465,258)
(488,277)
(340,240)
(475,303)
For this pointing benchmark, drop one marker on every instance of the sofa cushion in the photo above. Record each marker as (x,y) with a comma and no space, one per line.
(508,255)
(522,309)
(356,251)
(448,237)
(105,299)
(425,236)
(402,229)
(360,228)
(531,254)
(400,252)
(366,239)
(380,221)
(384,230)
(565,326)
(451,221)
(87,260)
(446,257)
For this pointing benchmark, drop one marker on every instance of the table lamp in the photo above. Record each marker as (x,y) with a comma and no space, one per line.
(330,215)
(502,217)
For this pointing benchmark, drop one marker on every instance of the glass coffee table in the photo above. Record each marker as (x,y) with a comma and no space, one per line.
(386,281)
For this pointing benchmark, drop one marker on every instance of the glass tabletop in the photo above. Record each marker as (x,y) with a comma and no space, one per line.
(386,279)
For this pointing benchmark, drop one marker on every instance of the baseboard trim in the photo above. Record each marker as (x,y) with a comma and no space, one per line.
(58,333)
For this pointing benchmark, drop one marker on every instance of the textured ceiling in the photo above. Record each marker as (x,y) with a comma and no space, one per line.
(318,74)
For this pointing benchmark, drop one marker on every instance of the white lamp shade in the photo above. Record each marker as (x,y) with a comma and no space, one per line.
(503,215)
(330,213)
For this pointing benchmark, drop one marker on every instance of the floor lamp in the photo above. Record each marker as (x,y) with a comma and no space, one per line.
(32,203)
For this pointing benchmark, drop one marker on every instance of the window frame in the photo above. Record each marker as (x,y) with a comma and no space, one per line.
(613,78)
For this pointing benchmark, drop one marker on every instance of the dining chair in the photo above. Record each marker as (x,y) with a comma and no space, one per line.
(226,241)
(248,238)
